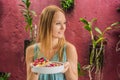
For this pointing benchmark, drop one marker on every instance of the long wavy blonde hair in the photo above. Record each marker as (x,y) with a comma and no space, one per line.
(45,30)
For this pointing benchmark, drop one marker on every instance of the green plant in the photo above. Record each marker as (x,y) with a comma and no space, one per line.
(28,15)
(80,70)
(4,76)
(67,4)
(98,41)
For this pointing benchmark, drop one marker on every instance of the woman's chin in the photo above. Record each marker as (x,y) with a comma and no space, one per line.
(59,36)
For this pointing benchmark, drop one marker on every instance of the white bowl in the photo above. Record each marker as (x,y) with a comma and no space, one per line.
(48,70)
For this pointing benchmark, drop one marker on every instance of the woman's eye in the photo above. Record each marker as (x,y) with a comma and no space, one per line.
(65,22)
(57,23)
(60,23)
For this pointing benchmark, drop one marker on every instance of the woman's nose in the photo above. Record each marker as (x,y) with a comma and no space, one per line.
(63,26)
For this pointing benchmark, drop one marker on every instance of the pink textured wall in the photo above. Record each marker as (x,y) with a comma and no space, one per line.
(12,34)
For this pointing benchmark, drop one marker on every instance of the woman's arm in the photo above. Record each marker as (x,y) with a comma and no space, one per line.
(72,72)
(29,60)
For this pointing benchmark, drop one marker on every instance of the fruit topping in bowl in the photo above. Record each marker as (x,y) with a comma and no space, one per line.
(43,62)
(40,61)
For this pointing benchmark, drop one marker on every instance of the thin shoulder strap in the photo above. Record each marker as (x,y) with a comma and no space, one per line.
(64,54)
(36,51)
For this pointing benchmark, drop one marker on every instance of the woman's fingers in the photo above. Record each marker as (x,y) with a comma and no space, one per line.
(66,66)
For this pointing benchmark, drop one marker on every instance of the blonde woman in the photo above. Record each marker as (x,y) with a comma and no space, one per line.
(53,46)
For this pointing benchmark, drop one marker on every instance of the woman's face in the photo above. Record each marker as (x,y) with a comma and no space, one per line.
(58,25)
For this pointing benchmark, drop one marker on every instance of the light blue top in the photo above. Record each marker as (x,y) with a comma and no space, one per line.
(58,76)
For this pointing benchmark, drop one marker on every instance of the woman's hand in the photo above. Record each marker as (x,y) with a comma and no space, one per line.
(66,66)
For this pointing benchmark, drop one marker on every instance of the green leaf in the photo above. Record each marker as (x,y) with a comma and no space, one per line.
(98,30)
(24,11)
(67,4)
(84,21)
(79,67)
(80,71)
(115,24)
(108,28)
(33,12)
(87,27)
(21,5)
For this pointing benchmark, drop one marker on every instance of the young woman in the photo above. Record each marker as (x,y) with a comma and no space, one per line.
(53,46)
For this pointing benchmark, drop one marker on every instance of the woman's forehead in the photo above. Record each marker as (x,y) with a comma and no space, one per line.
(59,16)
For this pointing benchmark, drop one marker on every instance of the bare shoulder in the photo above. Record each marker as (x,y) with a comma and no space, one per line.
(70,46)
(71,50)
(30,50)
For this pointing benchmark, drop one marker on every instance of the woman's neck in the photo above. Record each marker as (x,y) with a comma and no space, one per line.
(54,43)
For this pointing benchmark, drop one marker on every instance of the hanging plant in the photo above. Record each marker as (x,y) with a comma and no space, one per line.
(67,4)
(28,15)
(96,56)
